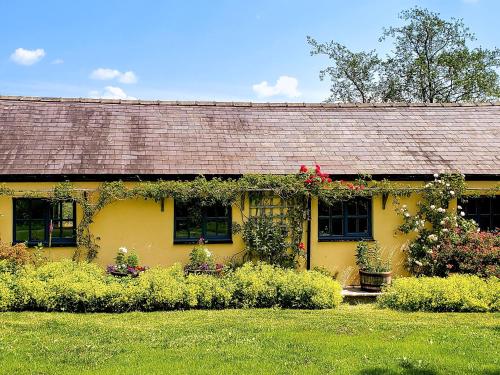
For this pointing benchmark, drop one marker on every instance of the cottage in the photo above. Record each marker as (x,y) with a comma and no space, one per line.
(44,141)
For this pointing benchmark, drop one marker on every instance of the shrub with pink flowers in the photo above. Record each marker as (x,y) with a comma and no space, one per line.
(445,241)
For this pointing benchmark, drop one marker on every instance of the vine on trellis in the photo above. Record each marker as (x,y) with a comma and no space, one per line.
(296,189)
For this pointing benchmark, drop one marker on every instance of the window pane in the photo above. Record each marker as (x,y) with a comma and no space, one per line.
(351,207)
(211,229)
(495,222)
(222,229)
(495,205)
(55,211)
(195,233)
(22,230)
(363,225)
(67,233)
(37,230)
(181,229)
(22,209)
(37,208)
(323,209)
(483,205)
(337,229)
(323,226)
(336,209)
(351,225)
(181,209)
(363,207)
(484,222)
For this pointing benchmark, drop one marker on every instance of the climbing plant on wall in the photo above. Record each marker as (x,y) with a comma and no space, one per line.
(294,189)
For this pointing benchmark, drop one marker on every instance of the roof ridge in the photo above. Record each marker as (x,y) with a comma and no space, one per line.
(242,104)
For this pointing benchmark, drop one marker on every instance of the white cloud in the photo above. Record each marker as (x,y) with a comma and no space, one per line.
(27,57)
(285,86)
(127,77)
(57,61)
(111,92)
(105,74)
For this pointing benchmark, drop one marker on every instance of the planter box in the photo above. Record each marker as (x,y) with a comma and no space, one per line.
(373,281)
(123,274)
(203,272)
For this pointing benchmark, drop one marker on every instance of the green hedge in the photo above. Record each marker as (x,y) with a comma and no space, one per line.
(464,293)
(84,287)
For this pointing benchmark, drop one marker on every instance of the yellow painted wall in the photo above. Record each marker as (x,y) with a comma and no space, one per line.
(141,225)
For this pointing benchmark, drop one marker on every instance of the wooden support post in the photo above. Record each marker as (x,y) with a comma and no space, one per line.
(162,204)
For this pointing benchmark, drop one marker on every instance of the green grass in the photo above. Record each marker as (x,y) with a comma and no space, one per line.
(351,340)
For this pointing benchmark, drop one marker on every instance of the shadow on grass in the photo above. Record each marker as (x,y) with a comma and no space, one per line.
(407,368)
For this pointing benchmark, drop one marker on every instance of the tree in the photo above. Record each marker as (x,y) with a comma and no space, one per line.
(430,62)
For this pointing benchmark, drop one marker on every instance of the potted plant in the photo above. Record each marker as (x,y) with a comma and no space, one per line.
(374,272)
(125,265)
(201,261)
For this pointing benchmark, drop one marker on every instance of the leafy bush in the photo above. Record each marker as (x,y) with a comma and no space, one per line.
(473,253)
(19,255)
(464,293)
(264,285)
(84,287)
(369,258)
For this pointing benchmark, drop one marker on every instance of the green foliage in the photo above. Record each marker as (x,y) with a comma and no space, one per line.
(201,258)
(266,240)
(431,62)
(369,258)
(84,287)
(264,285)
(461,293)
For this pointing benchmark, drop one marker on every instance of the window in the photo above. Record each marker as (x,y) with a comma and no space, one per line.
(484,210)
(213,223)
(349,220)
(33,219)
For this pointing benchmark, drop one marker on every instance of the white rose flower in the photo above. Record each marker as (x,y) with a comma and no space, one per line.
(441,222)
(447,185)
(436,175)
(123,250)
(432,207)
(407,214)
(462,214)
(444,230)
(418,263)
(459,207)
(452,192)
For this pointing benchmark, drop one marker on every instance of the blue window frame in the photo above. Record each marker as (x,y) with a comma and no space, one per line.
(192,221)
(33,218)
(484,210)
(345,221)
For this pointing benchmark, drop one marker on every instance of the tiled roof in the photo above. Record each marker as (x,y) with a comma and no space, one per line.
(92,136)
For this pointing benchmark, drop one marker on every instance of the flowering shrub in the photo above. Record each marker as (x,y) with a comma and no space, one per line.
(18,255)
(464,293)
(125,264)
(471,252)
(438,230)
(84,287)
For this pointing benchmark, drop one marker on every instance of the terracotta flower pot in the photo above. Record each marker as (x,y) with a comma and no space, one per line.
(373,281)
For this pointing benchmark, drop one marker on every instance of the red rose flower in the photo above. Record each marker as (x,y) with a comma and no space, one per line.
(301,246)
(303,169)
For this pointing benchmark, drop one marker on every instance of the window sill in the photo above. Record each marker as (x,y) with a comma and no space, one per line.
(207,242)
(346,239)
(46,244)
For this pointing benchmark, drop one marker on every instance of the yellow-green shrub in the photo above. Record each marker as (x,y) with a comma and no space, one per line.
(84,287)
(465,293)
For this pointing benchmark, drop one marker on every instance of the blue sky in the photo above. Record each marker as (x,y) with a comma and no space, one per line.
(196,50)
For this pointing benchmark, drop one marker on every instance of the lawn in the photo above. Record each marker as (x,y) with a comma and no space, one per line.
(353,339)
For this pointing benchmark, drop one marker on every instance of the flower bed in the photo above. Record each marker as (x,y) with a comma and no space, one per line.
(84,287)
